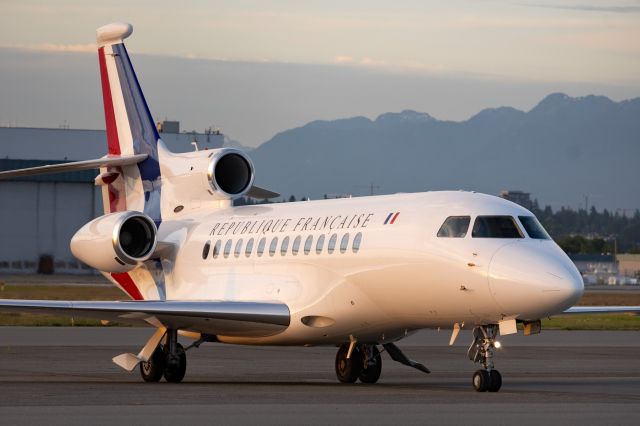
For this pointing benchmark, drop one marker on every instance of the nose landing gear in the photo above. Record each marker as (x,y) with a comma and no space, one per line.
(481,351)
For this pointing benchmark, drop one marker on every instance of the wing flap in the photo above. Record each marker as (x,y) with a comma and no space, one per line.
(603,310)
(75,166)
(256,319)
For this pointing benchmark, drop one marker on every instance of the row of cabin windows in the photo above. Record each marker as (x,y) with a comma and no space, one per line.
(492,227)
(237,250)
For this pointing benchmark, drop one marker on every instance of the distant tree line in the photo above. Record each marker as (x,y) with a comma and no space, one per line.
(593,231)
(576,231)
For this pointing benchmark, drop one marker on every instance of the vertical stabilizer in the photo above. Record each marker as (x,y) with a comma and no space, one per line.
(130,128)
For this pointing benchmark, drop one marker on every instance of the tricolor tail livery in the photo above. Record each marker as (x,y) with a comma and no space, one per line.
(130,128)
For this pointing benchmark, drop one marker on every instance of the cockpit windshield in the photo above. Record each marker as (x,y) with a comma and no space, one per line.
(533,228)
(455,227)
(495,227)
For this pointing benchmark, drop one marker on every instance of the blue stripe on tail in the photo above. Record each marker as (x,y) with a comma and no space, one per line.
(143,130)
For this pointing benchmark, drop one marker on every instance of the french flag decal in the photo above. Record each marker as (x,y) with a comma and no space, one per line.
(391,218)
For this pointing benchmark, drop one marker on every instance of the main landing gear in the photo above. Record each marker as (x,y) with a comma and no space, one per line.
(481,351)
(364,363)
(359,361)
(168,360)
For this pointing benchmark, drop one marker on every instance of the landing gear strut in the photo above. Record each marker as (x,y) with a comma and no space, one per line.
(169,360)
(364,363)
(481,351)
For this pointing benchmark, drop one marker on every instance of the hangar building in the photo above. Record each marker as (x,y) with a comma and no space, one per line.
(40,214)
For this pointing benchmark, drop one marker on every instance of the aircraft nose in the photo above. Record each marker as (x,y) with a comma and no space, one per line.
(534,279)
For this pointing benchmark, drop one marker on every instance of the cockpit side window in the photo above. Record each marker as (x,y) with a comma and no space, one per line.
(455,227)
(495,227)
(534,228)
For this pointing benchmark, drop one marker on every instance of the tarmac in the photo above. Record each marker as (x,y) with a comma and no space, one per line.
(65,376)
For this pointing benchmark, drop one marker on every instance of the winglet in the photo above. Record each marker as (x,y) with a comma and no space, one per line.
(113,33)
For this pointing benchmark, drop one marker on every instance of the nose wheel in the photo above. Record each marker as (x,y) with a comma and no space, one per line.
(481,351)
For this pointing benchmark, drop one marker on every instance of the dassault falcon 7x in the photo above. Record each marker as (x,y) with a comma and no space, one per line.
(359,273)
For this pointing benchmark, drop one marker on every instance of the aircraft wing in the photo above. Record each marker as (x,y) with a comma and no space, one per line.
(75,166)
(254,191)
(602,310)
(255,319)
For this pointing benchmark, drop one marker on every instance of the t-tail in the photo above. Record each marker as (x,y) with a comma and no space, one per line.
(143,183)
(130,130)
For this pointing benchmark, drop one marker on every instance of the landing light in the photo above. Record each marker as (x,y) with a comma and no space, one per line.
(497,345)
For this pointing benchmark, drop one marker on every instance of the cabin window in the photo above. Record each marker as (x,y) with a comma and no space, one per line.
(216,249)
(344,243)
(308,244)
(249,248)
(296,245)
(534,228)
(273,246)
(238,249)
(357,240)
(455,227)
(227,248)
(332,243)
(495,227)
(285,246)
(261,244)
(320,244)
(205,250)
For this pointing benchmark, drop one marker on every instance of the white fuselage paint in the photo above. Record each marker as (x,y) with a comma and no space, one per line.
(402,278)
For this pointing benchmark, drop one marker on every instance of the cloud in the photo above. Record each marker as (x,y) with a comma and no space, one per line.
(393,67)
(587,7)
(343,60)
(51,47)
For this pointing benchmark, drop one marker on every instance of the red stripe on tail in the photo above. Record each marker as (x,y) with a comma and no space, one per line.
(128,285)
(109,114)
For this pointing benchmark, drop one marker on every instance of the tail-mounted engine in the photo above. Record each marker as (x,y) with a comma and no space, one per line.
(230,173)
(116,242)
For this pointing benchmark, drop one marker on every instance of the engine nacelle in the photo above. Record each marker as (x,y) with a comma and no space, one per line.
(230,173)
(116,242)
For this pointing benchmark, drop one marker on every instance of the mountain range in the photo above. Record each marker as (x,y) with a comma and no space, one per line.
(561,151)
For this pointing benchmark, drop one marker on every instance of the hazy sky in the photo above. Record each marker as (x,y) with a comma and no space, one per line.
(448,58)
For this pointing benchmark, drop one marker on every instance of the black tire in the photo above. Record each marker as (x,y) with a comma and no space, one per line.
(152,370)
(348,370)
(371,372)
(174,371)
(495,381)
(481,380)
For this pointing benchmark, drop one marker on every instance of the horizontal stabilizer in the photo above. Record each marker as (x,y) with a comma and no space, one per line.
(255,319)
(261,193)
(603,310)
(75,166)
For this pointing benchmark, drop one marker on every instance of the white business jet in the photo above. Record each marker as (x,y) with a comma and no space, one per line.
(359,273)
